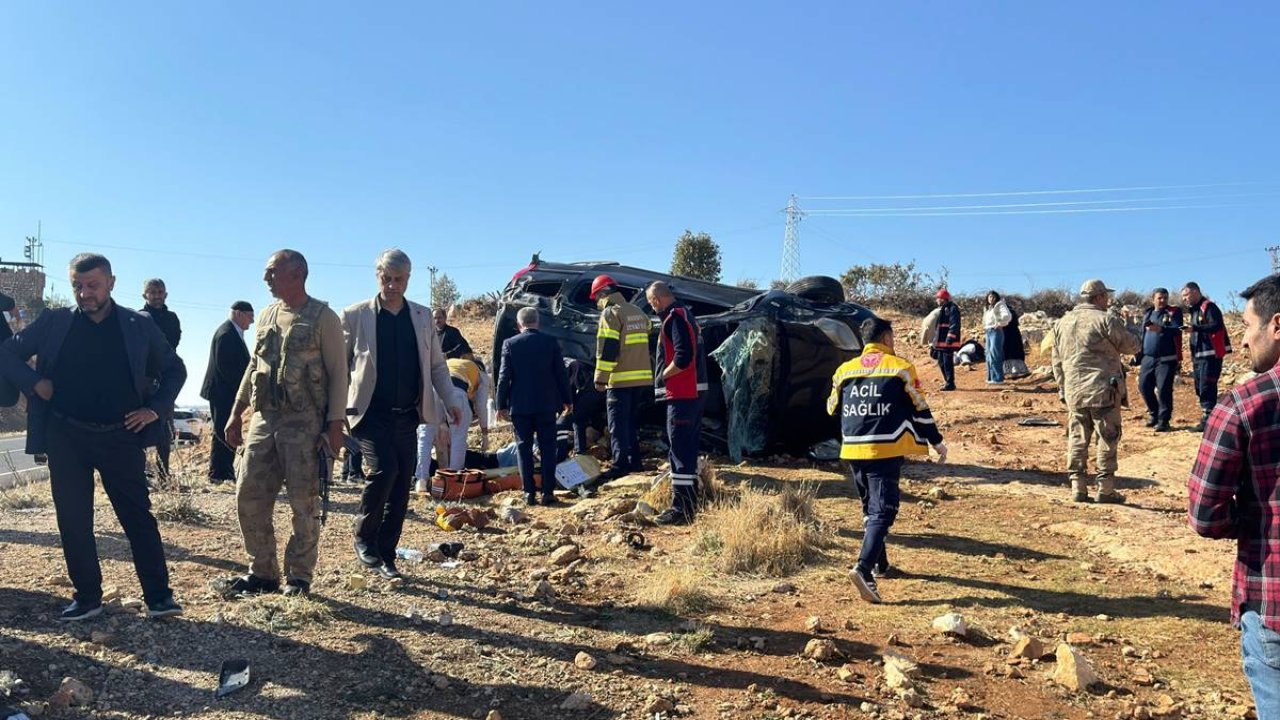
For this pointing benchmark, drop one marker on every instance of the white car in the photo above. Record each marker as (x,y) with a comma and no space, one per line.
(186,425)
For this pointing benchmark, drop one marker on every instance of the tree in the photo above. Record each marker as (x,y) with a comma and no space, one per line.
(444,293)
(748,283)
(696,256)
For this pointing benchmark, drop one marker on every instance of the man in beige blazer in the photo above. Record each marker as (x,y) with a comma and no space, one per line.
(397,370)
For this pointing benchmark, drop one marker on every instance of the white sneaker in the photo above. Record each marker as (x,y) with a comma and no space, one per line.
(866,587)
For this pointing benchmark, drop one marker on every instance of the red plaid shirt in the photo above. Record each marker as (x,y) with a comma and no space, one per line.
(1234,491)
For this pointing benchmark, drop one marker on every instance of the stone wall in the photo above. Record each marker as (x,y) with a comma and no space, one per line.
(26,287)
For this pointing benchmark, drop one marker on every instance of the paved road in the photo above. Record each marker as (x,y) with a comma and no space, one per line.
(12,459)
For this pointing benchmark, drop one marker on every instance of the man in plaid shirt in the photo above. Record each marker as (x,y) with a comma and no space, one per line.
(1234,492)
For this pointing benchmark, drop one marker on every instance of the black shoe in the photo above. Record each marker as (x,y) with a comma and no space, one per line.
(530,499)
(1200,426)
(388,570)
(866,586)
(1152,422)
(164,608)
(883,571)
(81,611)
(251,585)
(297,587)
(948,388)
(671,516)
(1162,426)
(612,473)
(549,500)
(366,555)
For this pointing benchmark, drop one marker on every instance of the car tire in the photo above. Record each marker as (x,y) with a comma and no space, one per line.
(818,289)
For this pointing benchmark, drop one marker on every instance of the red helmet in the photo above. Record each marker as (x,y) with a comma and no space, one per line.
(943,294)
(600,284)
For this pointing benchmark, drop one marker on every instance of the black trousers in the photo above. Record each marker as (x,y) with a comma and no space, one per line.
(118,456)
(622,406)
(947,363)
(684,426)
(1207,371)
(544,427)
(877,483)
(1155,380)
(585,407)
(222,458)
(164,445)
(389,443)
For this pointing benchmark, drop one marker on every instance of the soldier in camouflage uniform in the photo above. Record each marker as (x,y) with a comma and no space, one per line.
(296,386)
(1088,347)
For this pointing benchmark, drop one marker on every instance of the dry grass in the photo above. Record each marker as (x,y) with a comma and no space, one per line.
(677,590)
(26,497)
(279,613)
(763,532)
(174,499)
(659,496)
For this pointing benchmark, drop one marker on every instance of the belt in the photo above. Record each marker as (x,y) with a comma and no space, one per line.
(88,426)
(403,410)
(461,384)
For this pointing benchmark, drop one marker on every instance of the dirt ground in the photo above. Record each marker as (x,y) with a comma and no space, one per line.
(990,535)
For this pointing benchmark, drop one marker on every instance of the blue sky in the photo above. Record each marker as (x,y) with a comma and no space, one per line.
(189,140)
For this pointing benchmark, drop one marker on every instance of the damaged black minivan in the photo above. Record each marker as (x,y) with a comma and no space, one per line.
(771,354)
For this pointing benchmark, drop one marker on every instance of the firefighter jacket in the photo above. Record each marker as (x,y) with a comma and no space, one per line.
(1209,337)
(1087,347)
(622,344)
(948,327)
(680,342)
(1164,345)
(883,413)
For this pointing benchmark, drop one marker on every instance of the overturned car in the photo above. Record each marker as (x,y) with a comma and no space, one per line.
(771,354)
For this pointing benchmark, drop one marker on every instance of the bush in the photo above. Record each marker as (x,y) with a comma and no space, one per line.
(898,286)
(26,497)
(773,533)
(696,256)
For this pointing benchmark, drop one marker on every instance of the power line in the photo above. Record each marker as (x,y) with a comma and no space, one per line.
(908,208)
(1027,192)
(1028,212)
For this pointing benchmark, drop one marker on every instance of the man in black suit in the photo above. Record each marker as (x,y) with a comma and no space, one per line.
(454,345)
(91,405)
(532,388)
(154,295)
(228,357)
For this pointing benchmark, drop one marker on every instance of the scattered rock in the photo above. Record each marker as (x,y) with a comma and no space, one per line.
(899,670)
(583,661)
(543,590)
(564,555)
(784,588)
(658,638)
(952,624)
(656,704)
(577,701)
(1103,617)
(1027,648)
(11,685)
(1080,638)
(813,624)
(821,650)
(511,515)
(846,673)
(911,698)
(937,493)
(102,637)
(1073,670)
(962,702)
(619,507)
(850,625)
(440,682)
(71,693)
(493,715)
(1129,651)
(356,583)
(616,659)
(446,619)
(1143,677)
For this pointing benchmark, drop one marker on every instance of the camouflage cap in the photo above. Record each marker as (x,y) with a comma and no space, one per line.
(1094,287)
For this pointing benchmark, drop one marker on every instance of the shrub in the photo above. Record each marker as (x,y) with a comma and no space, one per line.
(677,590)
(759,531)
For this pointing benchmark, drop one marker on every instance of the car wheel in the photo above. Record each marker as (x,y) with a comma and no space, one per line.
(818,289)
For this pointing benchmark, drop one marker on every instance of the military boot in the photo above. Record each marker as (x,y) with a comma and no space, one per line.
(1107,490)
(1079,489)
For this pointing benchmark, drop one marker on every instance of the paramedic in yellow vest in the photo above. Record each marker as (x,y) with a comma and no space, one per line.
(471,392)
(296,385)
(624,371)
(883,419)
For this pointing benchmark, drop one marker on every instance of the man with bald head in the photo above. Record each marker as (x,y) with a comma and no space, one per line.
(532,388)
(296,385)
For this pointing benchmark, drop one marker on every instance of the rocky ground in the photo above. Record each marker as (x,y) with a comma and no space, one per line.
(1009,598)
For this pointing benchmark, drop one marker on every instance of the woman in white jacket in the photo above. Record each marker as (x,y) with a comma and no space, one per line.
(994,318)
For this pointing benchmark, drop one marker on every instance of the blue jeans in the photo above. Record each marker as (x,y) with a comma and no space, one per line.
(995,354)
(1260,647)
(877,484)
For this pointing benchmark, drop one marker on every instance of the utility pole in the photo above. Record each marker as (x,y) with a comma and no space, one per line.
(1274,251)
(791,243)
(34,251)
(431,285)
